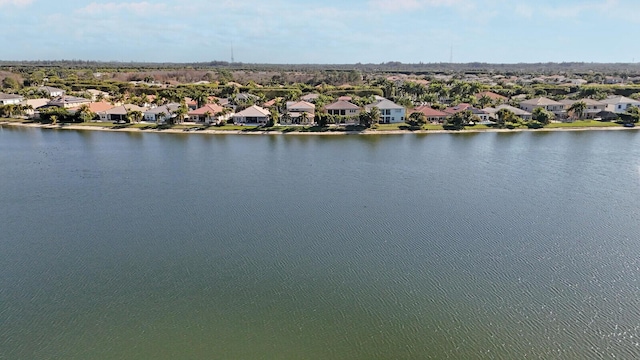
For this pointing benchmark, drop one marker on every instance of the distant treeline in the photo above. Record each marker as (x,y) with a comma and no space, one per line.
(393,66)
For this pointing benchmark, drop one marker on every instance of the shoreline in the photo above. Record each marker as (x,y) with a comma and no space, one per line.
(69,126)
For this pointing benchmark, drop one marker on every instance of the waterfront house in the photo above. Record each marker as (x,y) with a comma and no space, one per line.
(68,102)
(160,114)
(557,108)
(593,107)
(619,104)
(299,112)
(253,115)
(95,107)
(119,113)
(10,99)
(522,114)
(209,114)
(390,112)
(343,108)
(457,108)
(432,115)
(51,91)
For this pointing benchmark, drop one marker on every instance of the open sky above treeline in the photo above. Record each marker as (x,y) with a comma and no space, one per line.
(322,32)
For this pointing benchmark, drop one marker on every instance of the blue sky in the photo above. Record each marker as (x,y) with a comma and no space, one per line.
(327,31)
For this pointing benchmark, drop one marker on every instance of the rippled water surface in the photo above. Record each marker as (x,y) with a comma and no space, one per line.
(159,246)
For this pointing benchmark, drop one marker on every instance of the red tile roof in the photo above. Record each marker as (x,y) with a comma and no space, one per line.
(212,108)
(429,111)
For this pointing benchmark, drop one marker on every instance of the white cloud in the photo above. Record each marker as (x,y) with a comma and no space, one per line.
(15,2)
(413,4)
(138,8)
(524,10)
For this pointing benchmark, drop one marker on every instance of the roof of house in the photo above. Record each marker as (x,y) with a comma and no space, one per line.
(253,111)
(301,105)
(342,105)
(541,101)
(384,104)
(619,100)
(50,89)
(457,108)
(345,98)
(123,109)
(66,99)
(587,101)
(311,96)
(429,111)
(491,95)
(97,107)
(513,109)
(212,108)
(36,103)
(167,108)
(4,96)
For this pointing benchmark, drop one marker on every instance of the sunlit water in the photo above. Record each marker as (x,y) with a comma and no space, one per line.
(159,246)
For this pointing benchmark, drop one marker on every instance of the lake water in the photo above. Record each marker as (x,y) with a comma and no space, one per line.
(162,246)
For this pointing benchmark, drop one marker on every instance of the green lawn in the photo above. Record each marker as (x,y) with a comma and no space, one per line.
(583,123)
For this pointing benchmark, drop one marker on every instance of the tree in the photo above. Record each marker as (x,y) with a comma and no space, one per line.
(161,116)
(136,115)
(274,117)
(200,97)
(84,114)
(577,109)
(417,119)
(632,115)
(303,117)
(368,118)
(10,83)
(180,113)
(484,101)
(460,119)
(207,116)
(542,116)
(505,117)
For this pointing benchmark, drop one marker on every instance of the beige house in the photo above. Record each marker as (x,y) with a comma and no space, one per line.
(557,108)
(10,99)
(69,102)
(253,115)
(343,108)
(299,112)
(619,104)
(209,114)
(592,107)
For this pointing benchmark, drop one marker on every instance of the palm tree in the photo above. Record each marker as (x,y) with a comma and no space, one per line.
(200,97)
(207,116)
(161,115)
(505,116)
(303,117)
(484,101)
(542,116)
(578,108)
(136,115)
(375,115)
(84,114)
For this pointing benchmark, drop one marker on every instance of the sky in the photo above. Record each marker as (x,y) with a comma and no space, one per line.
(322,32)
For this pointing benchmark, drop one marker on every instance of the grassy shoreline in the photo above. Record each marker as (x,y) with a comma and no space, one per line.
(382,129)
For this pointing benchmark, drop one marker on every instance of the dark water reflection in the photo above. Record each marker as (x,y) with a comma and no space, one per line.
(439,246)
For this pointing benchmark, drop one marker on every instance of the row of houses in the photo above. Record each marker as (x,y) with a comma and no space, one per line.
(302,112)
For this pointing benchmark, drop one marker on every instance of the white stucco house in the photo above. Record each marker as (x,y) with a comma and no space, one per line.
(556,107)
(10,99)
(390,112)
(619,104)
(253,115)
